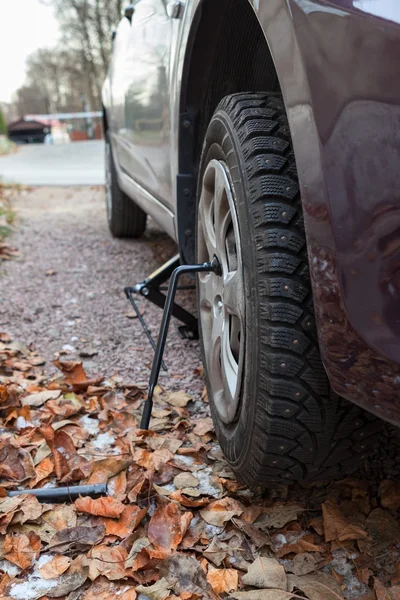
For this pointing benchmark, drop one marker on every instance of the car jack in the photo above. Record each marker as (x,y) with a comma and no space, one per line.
(150,289)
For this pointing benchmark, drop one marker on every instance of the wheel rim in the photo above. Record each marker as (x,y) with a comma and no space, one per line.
(221,298)
(108,180)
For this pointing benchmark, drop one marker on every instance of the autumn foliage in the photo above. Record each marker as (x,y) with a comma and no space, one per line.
(176,523)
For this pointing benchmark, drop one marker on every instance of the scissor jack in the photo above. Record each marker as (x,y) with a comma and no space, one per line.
(151,289)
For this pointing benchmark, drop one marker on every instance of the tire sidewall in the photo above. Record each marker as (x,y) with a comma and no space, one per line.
(235,438)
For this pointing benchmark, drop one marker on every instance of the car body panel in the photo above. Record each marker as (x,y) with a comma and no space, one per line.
(338,68)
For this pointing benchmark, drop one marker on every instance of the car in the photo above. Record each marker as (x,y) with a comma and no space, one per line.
(267,133)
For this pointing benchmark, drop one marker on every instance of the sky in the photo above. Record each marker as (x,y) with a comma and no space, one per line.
(25,25)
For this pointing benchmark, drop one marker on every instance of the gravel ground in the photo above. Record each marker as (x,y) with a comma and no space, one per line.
(66,291)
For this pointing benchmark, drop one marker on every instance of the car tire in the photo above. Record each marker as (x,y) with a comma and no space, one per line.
(125,218)
(279,420)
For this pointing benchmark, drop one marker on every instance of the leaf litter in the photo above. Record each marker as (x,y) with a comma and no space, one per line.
(175,523)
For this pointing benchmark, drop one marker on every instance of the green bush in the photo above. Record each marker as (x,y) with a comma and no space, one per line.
(3,125)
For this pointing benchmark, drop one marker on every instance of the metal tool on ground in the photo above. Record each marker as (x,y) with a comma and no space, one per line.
(150,289)
(64,494)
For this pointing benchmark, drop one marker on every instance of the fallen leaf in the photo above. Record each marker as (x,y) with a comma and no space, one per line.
(159,591)
(39,398)
(73,372)
(77,538)
(389,492)
(383,528)
(220,511)
(43,470)
(129,520)
(303,564)
(188,502)
(22,549)
(223,580)
(318,586)
(336,525)
(15,463)
(185,480)
(262,595)
(178,399)
(184,574)
(266,573)
(103,470)
(279,515)
(165,530)
(203,426)
(381,592)
(102,507)
(55,567)
(107,561)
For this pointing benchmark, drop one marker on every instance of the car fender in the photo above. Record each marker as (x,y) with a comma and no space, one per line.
(341,87)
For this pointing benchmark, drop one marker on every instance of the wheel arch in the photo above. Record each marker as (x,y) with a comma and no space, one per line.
(233,46)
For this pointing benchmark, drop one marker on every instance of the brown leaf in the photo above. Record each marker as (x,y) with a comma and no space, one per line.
(102,589)
(165,530)
(389,492)
(129,520)
(184,574)
(185,480)
(107,561)
(303,564)
(15,463)
(159,591)
(262,595)
(43,470)
(223,580)
(381,592)
(40,398)
(79,538)
(22,549)
(279,515)
(336,524)
(383,528)
(29,510)
(8,508)
(220,511)
(55,567)
(73,372)
(203,426)
(117,486)
(318,586)
(266,573)
(102,507)
(188,502)
(70,581)
(178,399)
(103,470)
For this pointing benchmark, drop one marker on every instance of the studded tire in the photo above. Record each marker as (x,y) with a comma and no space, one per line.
(125,218)
(290,425)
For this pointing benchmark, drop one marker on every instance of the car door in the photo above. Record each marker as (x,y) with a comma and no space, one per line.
(146,134)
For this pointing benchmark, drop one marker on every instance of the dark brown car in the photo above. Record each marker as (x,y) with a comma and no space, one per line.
(267,133)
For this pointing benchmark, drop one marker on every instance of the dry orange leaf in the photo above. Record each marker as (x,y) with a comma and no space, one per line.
(219,512)
(73,372)
(337,527)
(129,520)
(107,561)
(102,507)
(44,469)
(103,470)
(203,426)
(22,549)
(165,530)
(188,502)
(223,580)
(55,567)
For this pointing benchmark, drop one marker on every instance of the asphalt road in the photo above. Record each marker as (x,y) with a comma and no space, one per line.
(78,163)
